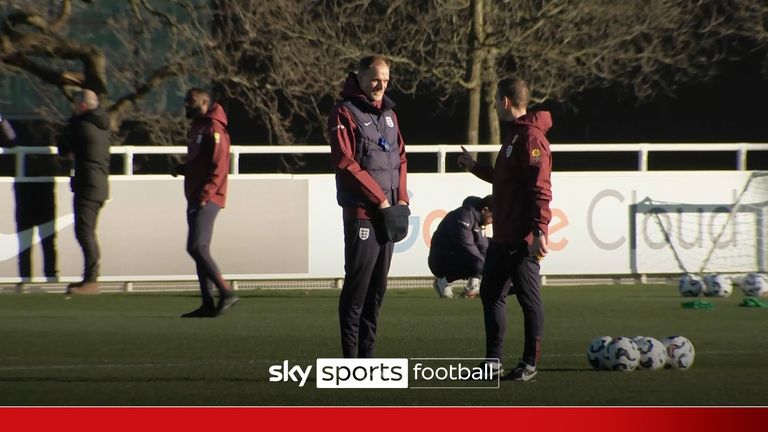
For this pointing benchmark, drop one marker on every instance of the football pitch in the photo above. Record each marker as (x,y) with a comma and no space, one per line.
(133,349)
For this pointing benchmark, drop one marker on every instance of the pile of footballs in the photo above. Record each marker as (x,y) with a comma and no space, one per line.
(641,352)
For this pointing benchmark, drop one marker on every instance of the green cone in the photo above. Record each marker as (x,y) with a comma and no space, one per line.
(753,302)
(698,304)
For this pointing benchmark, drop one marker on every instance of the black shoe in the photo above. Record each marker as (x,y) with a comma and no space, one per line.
(201,312)
(226,302)
(522,372)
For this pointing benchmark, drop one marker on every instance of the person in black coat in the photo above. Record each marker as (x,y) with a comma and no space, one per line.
(458,246)
(85,141)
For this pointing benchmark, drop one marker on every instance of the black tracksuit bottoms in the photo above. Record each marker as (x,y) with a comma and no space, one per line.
(86,217)
(503,262)
(367,256)
(200,221)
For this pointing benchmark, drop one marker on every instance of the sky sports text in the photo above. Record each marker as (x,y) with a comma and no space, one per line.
(392,373)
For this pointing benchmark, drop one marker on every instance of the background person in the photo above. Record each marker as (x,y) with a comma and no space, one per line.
(522,191)
(458,246)
(368,154)
(206,171)
(85,141)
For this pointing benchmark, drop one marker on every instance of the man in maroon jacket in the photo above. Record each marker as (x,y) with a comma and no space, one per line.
(205,187)
(368,154)
(521,196)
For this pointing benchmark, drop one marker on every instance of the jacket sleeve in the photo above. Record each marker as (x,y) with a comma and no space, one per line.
(483,172)
(64,142)
(402,193)
(341,130)
(218,139)
(466,236)
(538,183)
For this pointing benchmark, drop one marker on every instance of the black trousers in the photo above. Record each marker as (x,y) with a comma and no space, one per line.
(36,207)
(504,262)
(86,217)
(367,256)
(200,221)
(454,265)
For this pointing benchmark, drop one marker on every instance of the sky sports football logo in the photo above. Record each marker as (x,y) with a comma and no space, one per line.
(392,373)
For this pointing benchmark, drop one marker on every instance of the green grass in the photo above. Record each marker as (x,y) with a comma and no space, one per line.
(132,349)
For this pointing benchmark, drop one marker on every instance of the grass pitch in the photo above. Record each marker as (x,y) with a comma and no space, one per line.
(133,349)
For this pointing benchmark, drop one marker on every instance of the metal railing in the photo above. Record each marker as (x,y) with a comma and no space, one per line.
(642,150)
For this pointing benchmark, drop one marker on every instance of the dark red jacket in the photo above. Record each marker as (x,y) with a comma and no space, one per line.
(350,175)
(207,165)
(522,189)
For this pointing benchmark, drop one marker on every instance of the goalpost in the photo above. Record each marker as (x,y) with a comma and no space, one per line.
(730,237)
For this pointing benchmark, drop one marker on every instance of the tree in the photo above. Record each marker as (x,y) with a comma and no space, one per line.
(112,48)
(565,46)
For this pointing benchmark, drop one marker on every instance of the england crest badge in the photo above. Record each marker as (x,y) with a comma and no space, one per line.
(364,233)
(389,121)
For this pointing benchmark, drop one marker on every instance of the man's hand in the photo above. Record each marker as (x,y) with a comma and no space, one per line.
(401,202)
(466,160)
(539,247)
(384,204)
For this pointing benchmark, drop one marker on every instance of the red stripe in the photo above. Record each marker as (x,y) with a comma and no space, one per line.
(381,419)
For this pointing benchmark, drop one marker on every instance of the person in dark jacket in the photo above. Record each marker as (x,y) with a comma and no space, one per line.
(522,191)
(368,155)
(458,246)
(85,141)
(205,187)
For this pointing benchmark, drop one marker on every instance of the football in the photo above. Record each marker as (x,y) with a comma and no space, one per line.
(653,354)
(621,354)
(680,352)
(596,350)
(716,285)
(755,285)
(690,285)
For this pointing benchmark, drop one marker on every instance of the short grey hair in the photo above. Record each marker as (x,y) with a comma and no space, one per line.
(88,97)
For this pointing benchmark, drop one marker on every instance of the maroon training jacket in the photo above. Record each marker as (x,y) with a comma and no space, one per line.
(207,166)
(343,132)
(522,189)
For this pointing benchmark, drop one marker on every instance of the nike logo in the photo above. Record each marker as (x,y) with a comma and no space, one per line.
(13,244)
(367,123)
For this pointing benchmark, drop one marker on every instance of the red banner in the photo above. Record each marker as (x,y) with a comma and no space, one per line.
(382,419)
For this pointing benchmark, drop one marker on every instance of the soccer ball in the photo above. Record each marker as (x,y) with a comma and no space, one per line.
(716,285)
(621,354)
(653,354)
(680,352)
(596,350)
(755,285)
(690,285)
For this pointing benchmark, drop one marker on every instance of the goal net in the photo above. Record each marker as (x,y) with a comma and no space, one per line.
(725,237)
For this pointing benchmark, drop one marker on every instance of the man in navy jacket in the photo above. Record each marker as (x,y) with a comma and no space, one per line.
(458,246)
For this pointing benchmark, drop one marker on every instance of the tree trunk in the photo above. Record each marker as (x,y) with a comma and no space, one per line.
(490,80)
(475,79)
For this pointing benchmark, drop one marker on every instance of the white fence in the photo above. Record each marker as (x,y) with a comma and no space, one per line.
(594,232)
(642,151)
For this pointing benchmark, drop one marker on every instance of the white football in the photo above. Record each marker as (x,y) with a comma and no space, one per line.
(690,285)
(716,285)
(755,285)
(622,355)
(596,350)
(680,352)
(653,354)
